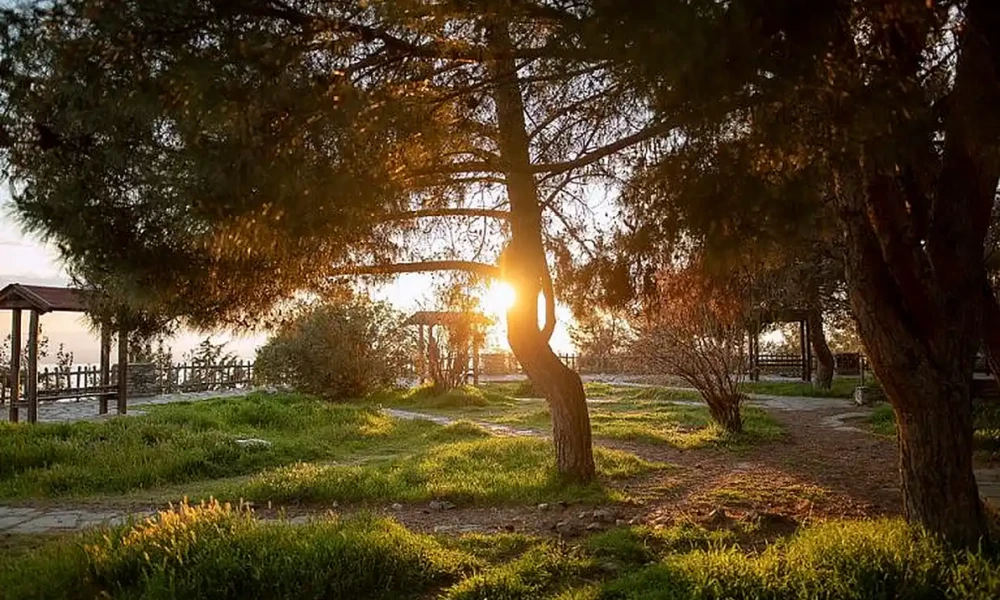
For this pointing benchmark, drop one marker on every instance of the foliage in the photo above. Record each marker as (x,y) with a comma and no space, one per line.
(697,330)
(600,334)
(337,349)
(218,551)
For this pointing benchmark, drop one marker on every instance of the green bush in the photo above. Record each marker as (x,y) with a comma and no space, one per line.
(337,350)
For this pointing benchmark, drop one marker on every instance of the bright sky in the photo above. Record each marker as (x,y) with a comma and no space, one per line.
(26,259)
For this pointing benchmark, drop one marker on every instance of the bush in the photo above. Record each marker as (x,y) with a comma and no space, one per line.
(337,350)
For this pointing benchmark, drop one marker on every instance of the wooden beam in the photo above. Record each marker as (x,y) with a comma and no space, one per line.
(122,371)
(32,383)
(105,368)
(15,364)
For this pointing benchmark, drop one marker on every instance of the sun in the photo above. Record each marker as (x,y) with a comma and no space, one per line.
(498,298)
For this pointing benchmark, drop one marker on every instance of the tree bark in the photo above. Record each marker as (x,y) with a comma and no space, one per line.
(923,356)
(524,266)
(823,378)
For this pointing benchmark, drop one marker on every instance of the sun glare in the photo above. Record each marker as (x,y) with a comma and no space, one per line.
(498,298)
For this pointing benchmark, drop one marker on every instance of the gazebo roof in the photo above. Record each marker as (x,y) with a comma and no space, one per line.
(42,298)
(446,318)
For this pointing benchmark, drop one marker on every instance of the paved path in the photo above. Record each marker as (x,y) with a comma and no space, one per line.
(86,409)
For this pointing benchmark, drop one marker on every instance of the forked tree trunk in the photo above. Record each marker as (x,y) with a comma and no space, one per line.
(922,351)
(823,378)
(524,266)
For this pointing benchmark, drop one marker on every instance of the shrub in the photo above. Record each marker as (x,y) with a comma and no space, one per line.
(697,331)
(337,350)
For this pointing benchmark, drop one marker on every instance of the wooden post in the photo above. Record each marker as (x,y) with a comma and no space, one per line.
(803,341)
(421,366)
(122,370)
(15,364)
(105,369)
(32,383)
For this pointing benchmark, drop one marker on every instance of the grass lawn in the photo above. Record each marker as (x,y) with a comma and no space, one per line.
(213,552)
(318,451)
(643,414)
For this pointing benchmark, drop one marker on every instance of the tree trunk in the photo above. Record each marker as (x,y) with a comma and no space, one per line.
(524,266)
(726,412)
(823,378)
(922,348)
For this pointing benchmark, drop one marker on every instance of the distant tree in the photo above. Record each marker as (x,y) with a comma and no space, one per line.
(338,349)
(600,333)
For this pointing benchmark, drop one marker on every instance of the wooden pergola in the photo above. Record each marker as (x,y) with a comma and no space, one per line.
(39,300)
(447,319)
(782,316)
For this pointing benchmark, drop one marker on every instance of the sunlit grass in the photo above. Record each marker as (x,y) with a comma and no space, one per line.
(641,414)
(841,387)
(481,471)
(190,442)
(217,552)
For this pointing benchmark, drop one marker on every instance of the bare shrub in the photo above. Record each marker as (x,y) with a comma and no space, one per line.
(696,328)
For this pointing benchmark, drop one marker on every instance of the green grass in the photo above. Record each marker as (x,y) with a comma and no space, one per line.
(484,470)
(214,552)
(644,414)
(190,442)
(985,423)
(320,452)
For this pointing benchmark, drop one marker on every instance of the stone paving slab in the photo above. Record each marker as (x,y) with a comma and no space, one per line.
(87,409)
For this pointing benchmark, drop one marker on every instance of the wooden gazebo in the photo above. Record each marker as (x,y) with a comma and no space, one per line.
(805,357)
(39,300)
(448,319)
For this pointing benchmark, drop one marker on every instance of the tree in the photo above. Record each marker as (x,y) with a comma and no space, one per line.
(211,159)
(887,110)
(340,349)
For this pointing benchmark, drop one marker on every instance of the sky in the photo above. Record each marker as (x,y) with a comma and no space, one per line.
(25,258)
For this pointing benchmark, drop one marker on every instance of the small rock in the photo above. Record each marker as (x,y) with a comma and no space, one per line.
(595,526)
(619,522)
(583,516)
(508,527)
(253,443)
(543,506)
(603,514)
(397,506)
(335,504)
(441,505)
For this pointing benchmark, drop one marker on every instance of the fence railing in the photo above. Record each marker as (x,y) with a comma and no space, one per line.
(144,379)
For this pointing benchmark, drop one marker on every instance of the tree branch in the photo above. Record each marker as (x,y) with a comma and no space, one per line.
(468,266)
(449,212)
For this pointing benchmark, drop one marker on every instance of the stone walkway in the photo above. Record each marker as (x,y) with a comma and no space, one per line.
(87,409)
